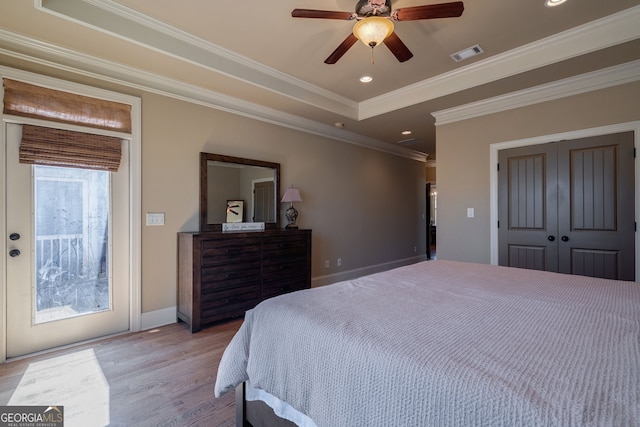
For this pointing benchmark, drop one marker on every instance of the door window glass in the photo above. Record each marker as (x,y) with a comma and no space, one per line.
(72,242)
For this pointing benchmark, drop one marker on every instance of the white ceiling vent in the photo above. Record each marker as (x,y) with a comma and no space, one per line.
(467,53)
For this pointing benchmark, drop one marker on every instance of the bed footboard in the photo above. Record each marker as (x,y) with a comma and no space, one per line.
(256,413)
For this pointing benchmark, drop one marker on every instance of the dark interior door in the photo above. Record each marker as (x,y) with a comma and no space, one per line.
(427,217)
(263,202)
(579,196)
(527,207)
(596,221)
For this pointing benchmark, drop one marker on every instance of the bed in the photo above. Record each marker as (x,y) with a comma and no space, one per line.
(442,343)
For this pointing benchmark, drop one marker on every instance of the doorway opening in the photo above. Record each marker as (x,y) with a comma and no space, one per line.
(432,220)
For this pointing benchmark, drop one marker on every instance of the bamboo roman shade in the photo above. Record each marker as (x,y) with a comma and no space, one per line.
(27,100)
(58,147)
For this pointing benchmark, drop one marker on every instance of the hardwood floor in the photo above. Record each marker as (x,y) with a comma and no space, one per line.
(160,377)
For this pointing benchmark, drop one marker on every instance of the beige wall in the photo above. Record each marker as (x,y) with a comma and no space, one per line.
(363,205)
(464,180)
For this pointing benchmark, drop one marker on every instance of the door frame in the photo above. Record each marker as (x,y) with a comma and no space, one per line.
(135,207)
(544,139)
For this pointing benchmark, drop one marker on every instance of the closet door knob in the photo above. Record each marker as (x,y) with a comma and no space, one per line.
(14,253)
(14,236)
(551,238)
(565,238)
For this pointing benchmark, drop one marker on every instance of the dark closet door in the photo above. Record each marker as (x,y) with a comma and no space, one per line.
(596,222)
(579,195)
(527,207)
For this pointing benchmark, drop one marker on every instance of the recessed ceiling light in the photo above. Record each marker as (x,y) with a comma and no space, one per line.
(551,3)
(467,53)
(406,132)
(366,79)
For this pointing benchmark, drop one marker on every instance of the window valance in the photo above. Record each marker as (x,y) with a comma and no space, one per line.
(58,147)
(27,100)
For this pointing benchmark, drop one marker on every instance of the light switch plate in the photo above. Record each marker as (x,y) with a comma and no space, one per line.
(155,218)
(470,212)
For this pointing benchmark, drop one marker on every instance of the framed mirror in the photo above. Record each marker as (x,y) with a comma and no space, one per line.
(252,186)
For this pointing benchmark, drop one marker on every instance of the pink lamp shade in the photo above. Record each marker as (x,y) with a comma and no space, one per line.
(291,194)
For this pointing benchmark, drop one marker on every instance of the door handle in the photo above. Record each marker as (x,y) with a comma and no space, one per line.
(565,238)
(14,253)
(14,236)
(551,238)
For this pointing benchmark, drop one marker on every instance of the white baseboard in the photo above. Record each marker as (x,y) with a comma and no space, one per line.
(364,271)
(156,318)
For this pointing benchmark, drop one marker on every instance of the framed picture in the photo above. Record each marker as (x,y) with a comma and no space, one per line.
(235,210)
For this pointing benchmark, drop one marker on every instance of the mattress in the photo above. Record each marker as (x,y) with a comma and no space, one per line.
(447,343)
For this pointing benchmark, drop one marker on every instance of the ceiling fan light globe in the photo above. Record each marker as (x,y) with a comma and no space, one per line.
(373,30)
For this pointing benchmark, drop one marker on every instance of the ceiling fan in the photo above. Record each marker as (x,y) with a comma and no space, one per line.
(375,23)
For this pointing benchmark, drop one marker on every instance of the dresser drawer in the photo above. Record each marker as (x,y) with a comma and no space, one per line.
(224,251)
(229,298)
(283,286)
(285,245)
(284,275)
(230,276)
(213,303)
(277,268)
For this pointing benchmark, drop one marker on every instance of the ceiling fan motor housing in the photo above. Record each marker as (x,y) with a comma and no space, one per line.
(366,8)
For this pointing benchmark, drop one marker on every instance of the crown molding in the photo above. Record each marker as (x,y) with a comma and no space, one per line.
(588,82)
(48,55)
(107,16)
(605,32)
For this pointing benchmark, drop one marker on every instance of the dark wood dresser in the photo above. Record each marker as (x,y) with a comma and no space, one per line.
(222,275)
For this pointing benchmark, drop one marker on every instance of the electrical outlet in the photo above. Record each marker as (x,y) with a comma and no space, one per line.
(339,262)
(327,264)
(155,218)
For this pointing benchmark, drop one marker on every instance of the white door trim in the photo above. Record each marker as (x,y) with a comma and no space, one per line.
(583,133)
(135,162)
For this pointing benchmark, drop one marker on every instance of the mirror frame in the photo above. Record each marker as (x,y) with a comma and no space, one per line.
(205,158)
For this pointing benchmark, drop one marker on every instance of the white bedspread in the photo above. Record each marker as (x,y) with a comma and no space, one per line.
(442,343)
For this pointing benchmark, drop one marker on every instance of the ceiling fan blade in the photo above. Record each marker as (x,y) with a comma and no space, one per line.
(322,14)
(398,48)
(431,11)
(341,50)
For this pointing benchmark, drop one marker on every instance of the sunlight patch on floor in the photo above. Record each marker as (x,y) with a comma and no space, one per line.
(74,381)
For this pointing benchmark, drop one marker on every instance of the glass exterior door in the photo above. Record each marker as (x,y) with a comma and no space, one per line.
(64,285)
